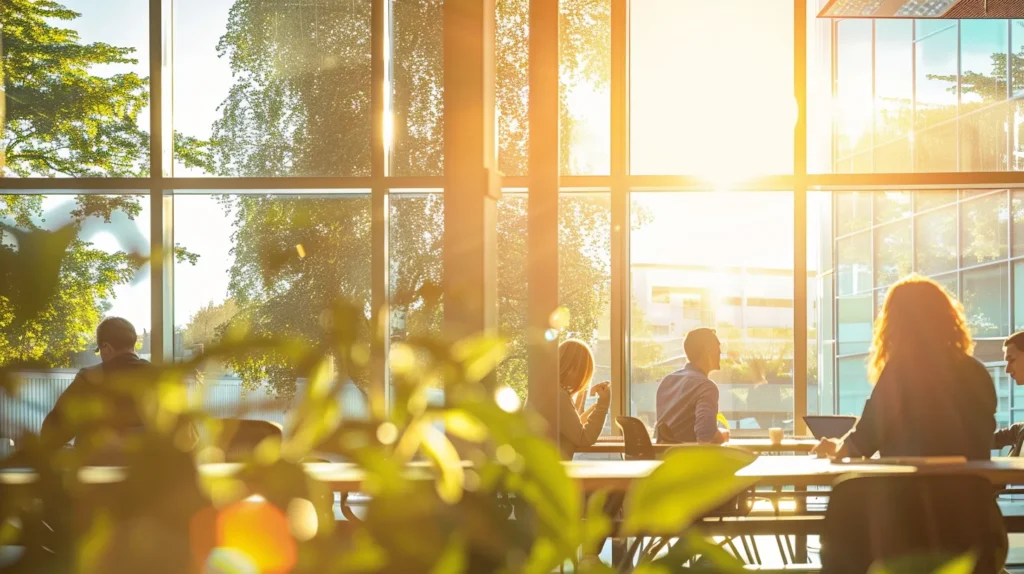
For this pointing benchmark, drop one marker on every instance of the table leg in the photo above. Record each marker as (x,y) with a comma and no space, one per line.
(801,539)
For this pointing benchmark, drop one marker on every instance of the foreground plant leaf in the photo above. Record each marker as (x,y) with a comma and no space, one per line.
(690,482)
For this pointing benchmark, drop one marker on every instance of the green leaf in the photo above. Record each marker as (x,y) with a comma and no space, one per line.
(690,482)
(598,525)
(721,418)
(650,568)
(464,425)
(453,559)
(712,556)
(452,477)
(479,355)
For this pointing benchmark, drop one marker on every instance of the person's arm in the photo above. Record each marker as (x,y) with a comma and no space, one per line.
(1007,436)
(571,426)
(585,415)
(865,438)
(55,430)
(705,426)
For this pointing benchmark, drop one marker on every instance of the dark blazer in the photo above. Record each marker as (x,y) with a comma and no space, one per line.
(101,382)
(945,412)
(1012,437)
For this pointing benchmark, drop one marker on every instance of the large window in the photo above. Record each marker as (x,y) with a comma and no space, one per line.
(692,264)
(274,197)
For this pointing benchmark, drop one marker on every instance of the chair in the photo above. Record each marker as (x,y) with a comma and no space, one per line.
(872,518)
(663,435)
(636,438)
(241,436)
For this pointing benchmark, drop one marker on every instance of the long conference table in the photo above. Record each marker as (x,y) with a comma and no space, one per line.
(796,470)
(615,445)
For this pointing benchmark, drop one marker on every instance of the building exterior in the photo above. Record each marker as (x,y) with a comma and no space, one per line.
(924,96)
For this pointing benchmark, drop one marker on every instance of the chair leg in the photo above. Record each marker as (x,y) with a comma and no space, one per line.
(746,549)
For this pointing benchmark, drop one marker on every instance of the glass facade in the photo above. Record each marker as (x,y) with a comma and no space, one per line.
(958,239)
(687,203)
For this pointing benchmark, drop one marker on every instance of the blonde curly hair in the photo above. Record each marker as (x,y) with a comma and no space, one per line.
(919,322)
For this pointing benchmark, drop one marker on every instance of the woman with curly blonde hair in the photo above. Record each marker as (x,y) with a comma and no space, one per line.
(930,396)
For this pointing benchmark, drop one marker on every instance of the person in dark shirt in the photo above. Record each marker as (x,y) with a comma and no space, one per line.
(103,423)
(687,400)
(1013,352)
(930,396)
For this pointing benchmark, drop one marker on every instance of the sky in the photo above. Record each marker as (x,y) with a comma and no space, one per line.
(715,100)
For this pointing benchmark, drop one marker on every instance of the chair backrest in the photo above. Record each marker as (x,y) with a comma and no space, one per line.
(637,440)
(663,435)
(875,518)
(241,436)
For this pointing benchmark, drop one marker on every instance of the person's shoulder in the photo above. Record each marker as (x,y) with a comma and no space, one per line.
(970,365)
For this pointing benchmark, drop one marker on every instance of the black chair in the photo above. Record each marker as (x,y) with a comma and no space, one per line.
(873,518)
(636,438)
(240,436)
(663,435)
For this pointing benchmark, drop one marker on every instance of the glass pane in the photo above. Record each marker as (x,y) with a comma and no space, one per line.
(950,282)
(689,269)
(1018,297)
(279,89)
(936,91)
(854,264)
(987,301)
(416,239)
(925,200)
(853,211)
(894,91)
(250,266)
(103,273)
(891,205)
(856,315)
(820,312)
(936,236)
(417,83)
(584,279)
(77,89)
(511,89)
(984,229)
(853,94)
(677,129)
(854,388)
(983,89)
(893,253)
(1017,211)
(1017,50)
(585,73)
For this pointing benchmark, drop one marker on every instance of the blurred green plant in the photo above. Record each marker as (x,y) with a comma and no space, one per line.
(168,507)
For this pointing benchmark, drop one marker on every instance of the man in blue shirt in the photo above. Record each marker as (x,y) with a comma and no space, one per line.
(687,402)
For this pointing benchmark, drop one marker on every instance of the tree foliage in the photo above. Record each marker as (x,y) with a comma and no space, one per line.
(60,118)
(300,106)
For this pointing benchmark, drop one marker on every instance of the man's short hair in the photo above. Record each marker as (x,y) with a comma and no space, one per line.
(118,332)
(1015,340)
(698,342)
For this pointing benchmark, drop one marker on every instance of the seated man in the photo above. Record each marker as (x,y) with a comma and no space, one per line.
(687,402)
(77,415)
(1013,437)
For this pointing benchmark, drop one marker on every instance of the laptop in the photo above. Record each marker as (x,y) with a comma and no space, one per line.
(829,426)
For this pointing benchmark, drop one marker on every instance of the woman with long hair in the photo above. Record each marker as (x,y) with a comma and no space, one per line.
(930,396)
(579,427)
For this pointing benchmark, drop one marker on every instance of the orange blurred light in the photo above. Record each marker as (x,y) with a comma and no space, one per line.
(251,532)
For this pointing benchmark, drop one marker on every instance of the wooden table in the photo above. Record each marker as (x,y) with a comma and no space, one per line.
(799,470)
(755,445)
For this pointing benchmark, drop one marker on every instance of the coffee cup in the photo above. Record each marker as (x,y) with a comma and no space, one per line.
(775,435)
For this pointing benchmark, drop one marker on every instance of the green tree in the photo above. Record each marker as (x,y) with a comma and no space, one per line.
(58,118)
(300,106)
(204,327)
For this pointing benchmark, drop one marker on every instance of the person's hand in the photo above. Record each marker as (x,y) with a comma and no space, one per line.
(827,448)
(603,391)
(725,434)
